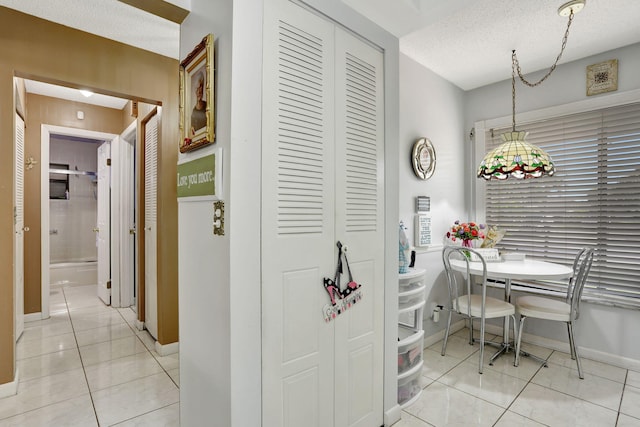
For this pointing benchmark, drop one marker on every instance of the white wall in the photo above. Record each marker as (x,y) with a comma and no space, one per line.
(567,84)
(432,107)
(73,220)
(603,332)
(203,259)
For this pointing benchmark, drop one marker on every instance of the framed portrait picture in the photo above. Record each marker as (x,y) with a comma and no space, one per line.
(197,99)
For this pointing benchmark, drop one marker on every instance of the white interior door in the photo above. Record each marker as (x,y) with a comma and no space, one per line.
(103,235)
(150,225)
(127,233)
(322,182)
(18,256)
(297,219)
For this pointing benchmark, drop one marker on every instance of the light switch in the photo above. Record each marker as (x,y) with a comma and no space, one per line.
(218,218)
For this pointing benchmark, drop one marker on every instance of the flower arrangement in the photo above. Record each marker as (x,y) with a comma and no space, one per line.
(467,232)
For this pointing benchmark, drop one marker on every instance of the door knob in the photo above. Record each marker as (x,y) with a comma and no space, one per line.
(25,228)
(132,231)
(96,230)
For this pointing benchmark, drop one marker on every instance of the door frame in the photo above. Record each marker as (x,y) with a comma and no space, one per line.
(45,135)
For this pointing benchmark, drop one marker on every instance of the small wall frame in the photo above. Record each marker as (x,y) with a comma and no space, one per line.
(197,97)
(602,77)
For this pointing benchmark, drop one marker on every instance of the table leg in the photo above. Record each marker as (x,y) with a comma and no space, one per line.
(507,298)
(505,346)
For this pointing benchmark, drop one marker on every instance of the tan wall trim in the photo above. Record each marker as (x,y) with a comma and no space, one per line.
(160,8)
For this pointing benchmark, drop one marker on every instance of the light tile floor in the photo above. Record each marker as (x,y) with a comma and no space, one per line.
(87,365)
(455,394)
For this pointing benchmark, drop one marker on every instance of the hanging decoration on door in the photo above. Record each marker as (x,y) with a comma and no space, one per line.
(341,299)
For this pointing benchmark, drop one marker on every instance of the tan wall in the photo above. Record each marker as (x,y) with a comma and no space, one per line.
(41,50)
(51,111)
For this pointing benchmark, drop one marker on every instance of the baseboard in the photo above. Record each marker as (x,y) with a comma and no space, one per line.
(32,317)
(139,325)
(167,349)
(392,416)
(455,327)
(588,353)
(9,389)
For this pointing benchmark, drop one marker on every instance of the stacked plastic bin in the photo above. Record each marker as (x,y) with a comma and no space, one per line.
(410,335)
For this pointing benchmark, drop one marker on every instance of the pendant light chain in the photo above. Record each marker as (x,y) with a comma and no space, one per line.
(513,90)
(515,68)
(516,63)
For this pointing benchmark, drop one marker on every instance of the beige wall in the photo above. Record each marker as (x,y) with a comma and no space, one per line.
(51,111)
(41,50)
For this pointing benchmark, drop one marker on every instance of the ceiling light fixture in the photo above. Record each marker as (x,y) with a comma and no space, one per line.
(86,93)
(516,157)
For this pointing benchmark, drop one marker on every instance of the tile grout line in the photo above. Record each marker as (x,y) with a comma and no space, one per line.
(84,371)
(624,387)
(522,391)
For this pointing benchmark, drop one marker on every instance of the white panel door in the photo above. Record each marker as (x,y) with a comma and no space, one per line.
(150,225)
(19,228)
(127,233)
(322,182)
(297,218)
(359,225)
(103,223)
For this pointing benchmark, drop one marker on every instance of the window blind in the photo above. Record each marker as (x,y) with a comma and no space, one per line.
(592,200)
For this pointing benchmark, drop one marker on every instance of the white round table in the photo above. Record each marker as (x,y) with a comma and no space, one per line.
(527,269)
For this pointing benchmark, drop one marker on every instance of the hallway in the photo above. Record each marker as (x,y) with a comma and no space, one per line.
(87,365)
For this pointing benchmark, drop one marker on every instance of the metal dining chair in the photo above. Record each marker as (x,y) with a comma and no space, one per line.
(567,311)
(471,306)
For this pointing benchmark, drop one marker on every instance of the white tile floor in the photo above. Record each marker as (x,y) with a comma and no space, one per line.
(87,365)
(455,394)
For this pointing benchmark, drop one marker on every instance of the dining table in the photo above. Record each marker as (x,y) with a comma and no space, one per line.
(507,271)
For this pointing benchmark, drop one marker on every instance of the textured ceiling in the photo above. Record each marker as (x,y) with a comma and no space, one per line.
(469,43)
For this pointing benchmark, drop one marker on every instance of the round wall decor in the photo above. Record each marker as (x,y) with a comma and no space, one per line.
(423,158)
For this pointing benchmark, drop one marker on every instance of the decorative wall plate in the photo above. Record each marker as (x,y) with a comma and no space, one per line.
(423,158)
(602,77)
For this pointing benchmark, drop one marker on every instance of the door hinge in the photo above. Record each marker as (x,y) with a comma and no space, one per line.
(108,284)
(108,162)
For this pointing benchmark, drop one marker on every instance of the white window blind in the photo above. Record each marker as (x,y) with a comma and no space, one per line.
(593,199)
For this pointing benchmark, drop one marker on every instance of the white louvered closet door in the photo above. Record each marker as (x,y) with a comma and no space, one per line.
(151,225)
(19,228)
(316,373)
(359,211)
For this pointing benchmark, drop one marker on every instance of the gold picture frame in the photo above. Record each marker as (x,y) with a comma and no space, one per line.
(197,97)
(602,77)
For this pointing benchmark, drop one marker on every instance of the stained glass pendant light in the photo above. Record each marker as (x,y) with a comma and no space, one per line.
(515,157)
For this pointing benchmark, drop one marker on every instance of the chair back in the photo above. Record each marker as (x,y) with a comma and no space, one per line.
(581,267)
(462,255)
